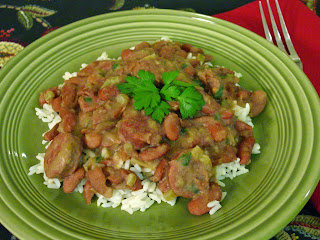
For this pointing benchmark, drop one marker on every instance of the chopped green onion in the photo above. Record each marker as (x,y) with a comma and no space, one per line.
(225,76)
(115,66)
(185,159)
(217,116)
(219,93)
(184,65)
(99,159)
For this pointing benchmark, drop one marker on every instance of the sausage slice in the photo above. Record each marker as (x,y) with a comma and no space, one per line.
(62,156)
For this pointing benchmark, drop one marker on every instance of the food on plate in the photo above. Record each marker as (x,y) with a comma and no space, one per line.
(159,122)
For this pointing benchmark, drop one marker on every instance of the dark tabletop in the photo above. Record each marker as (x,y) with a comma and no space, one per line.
(24,21)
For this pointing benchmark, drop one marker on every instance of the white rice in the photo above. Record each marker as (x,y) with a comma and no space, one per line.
(242,113)
(230,170)
(48,115)
(215,206)
(140,200)
(104,56)
(68,75)
(132,201)
(256,148)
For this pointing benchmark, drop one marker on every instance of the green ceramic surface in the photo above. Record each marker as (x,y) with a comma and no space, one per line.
(258,204)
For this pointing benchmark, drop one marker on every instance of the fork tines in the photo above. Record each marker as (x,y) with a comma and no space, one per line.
(291,51)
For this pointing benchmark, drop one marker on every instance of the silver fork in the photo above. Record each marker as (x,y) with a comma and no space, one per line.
(291,51)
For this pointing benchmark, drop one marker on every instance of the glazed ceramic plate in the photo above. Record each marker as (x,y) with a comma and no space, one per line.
(258,204)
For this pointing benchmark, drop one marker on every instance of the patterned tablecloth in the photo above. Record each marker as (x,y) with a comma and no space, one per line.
(24,21)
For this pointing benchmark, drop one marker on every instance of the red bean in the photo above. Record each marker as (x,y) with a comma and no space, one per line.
(245,149)
(244,129)
(160,171)
(88,192)
(126,54)
(71,182)
(69,120)
(218,131)
(153,153)
(51,134)
(69,95)
(92,139)
(171,126)
(190,70)
(56,104)
(258,102)
(98,182)
(211,106)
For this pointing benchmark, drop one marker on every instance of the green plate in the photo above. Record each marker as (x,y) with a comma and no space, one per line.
(258,204)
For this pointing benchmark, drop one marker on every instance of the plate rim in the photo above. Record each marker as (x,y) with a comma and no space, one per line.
(54,34)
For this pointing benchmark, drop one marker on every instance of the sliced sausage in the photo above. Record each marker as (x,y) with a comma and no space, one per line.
(187,176)
(211,106)
(216,129)
(138,129)
(109,92)
(62,156)
(198,205)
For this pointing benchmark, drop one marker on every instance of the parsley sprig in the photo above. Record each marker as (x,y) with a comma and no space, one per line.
(153,100)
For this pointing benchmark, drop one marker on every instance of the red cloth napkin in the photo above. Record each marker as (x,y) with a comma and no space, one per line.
(303,26)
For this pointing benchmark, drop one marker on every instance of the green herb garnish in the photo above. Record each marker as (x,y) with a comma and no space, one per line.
(219,93)
(88,99)
(114,66)
(153,99)
(195,190)
(217,116)
(183,130)
(190,102)
(99,159)
(225,76)
(185,159)
(184,65)
(198,82)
